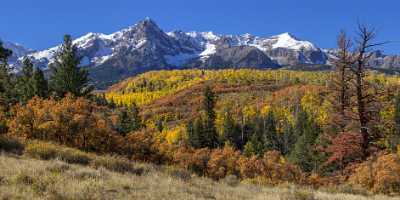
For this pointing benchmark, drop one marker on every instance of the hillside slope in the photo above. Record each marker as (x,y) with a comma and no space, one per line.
(23,177)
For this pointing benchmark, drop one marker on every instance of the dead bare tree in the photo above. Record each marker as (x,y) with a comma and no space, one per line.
(364,93)
(339,87)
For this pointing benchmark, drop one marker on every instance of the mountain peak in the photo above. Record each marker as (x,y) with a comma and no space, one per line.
(288,40)
(286,35)
(147,22)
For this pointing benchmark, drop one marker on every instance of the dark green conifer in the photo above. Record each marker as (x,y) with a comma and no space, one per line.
(129,120)
(304,152)
(230,130)
(209,137)
(7,81)
(67,76)
(24,86)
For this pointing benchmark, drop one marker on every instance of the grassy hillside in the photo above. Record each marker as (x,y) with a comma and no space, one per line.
(262,128)
(47,171)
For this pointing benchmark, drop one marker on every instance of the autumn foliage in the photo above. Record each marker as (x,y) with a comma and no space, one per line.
(71,121)
(345,148)
(379,174)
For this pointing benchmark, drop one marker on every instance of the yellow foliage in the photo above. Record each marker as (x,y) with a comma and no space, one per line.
(249,112)
(175,135)
(312,103)
(265,109)
(148,87)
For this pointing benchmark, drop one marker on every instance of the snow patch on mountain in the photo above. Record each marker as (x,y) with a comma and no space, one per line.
(48,54)
(209,50)
(287,40)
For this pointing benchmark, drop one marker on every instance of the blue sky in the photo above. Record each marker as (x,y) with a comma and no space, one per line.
(40,24)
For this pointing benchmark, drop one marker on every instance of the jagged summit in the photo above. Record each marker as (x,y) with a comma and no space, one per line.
(145,46)
(288,40)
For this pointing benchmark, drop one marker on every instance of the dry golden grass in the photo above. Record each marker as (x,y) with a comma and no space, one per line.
(22,177)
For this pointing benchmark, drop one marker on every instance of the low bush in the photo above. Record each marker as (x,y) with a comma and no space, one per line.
(47,151)
(192,160)
(379,174)
(231,180)
(346,189)
(223,162)
(117,164)
(181,174)
(10,145)
(58,167)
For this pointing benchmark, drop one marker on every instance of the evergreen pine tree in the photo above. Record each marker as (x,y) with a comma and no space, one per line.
(24,86)
(67,76)
(209,136)
(7,92)
(308,130)
(194,131)
(129,120)
(123,125)
(40,84)
(230,130)
(136,118)
(254,146)
(160,125)
(287,139)
(270,135)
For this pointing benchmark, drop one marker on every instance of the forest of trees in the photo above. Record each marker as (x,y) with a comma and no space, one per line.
(269,127)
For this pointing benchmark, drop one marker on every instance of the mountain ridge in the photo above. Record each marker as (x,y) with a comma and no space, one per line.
(145,46)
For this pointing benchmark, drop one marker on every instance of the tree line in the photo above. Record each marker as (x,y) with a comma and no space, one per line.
(66,76)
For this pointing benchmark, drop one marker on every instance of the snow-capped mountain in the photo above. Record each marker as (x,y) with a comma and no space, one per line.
(144,46)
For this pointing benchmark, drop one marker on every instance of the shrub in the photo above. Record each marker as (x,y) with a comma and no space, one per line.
(346,189)
(58,167)
(231,180)
(247,166)
(303,195)
(345,148)
(379,175)
(75,122)
(47,151)
(85,173)
(272,168)
(117,164)
(193,160)
(223,162)
(180,174)
(10,145)
(141,146)
(22,178)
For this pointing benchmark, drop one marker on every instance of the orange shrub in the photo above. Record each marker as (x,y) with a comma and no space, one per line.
(247,167)
(272,168)
(194,160)
(141,146)
(75,122)
(223,162)
(379,175)
(277,170)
